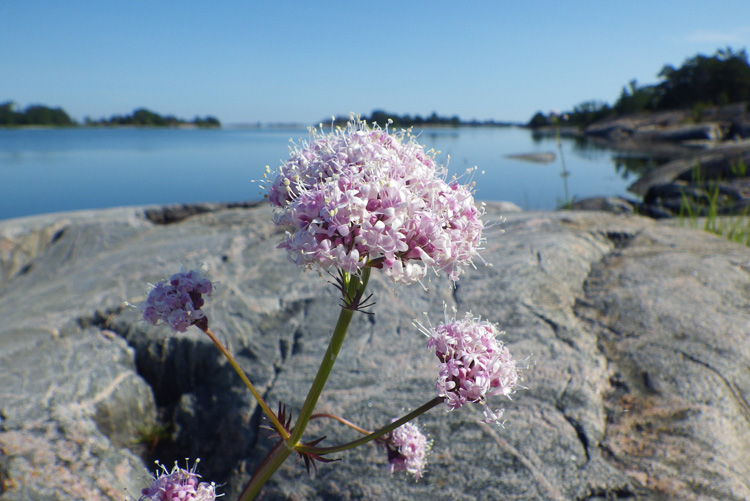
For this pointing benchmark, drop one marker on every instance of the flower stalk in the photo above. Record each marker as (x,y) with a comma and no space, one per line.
(376,434)
(266,410)
(354,286)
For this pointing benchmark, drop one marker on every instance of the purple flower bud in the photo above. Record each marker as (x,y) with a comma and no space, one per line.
(178,485)
(178,301)
(407,448)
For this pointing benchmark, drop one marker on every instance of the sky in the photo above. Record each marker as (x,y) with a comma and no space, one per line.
(304,61)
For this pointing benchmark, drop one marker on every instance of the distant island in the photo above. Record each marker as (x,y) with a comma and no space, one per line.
(701,83)
(41,115)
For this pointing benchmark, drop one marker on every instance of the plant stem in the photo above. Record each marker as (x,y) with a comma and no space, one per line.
(267,468)
(337,339)
(372,436)
(271,416)
(341,420)
(566,202)
(351,285)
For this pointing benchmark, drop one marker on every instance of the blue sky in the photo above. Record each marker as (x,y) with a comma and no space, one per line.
(303,61)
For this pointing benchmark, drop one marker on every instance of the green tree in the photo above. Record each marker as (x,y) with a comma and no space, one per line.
(634,99)
(8,113)
(379,116)
(721,79)
(589,112)
(208,121)
(42,115)
(538,120)
(142,116)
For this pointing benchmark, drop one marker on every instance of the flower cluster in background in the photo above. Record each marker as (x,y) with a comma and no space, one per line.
(407,449)
(178,485)
(473,365)
(366,197)
(178,301)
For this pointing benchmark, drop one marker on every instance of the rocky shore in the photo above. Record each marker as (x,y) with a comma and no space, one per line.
(634,333)
(707,161)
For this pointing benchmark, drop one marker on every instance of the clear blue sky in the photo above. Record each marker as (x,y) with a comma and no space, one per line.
(306,60)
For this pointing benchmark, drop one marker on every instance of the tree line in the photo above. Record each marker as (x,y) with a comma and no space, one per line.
(701,81)
(38,114)
(383,118)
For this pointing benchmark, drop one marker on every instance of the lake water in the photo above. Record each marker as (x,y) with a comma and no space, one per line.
(50,170)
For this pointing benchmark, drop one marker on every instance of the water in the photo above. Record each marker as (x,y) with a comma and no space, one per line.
(50,170)
(592,170)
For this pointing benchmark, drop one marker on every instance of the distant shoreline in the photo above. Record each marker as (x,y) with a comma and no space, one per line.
(249,126)
(90,127)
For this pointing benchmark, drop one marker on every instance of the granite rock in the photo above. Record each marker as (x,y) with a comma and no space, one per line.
(634,334)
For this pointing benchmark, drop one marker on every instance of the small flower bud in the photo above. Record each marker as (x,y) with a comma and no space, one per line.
(178,485)
(178,302)
(407,448)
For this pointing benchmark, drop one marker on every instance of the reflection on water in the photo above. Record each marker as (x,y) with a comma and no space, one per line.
(68,169)
(629,165)
(439,135)
(590,168)
(632,166)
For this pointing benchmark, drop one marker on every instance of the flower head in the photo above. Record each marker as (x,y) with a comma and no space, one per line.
(178,485)
(407,448)
(362,197)
(178,301)
(473,365)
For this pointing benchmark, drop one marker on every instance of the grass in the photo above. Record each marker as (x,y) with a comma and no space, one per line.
(705,213)
(567,201)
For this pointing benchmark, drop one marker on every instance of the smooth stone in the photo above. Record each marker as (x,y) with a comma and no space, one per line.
(540,158)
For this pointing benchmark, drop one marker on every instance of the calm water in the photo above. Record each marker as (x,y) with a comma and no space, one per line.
(50,170)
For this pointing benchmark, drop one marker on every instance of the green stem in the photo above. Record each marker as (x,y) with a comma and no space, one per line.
(267,468)
(271,416)
(341,420)
(352,285)
(565,173)
(372,436)
(339,333)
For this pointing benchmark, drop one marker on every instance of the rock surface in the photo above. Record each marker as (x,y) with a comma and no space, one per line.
(717,123)
(635,333)
(721,162)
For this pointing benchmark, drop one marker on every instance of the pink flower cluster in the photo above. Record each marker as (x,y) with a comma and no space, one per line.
(178,485)
(473,365)
(366,197)
(178,301)
(407,448)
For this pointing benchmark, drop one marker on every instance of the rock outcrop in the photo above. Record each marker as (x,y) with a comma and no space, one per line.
(702,166)
(712,125)
(727,161)
(634,333)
